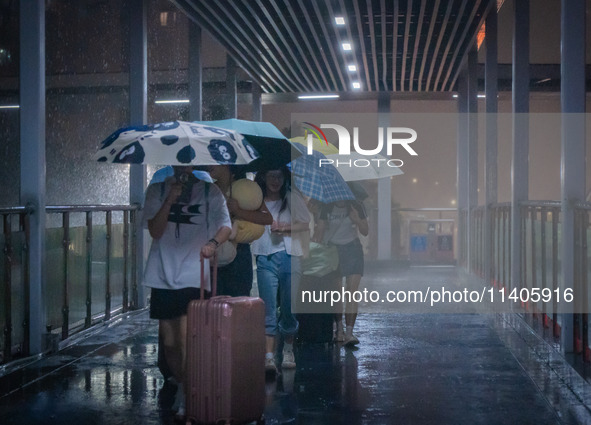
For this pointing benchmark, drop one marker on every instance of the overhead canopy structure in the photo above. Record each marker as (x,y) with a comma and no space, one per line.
(296,46)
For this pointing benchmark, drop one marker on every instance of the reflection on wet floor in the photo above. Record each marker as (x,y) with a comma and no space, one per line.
(408,369)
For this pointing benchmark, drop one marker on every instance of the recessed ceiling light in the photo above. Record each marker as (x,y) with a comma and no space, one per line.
(318,96)
(356,85)
(339,20)
(352,68)
(454,95)
(347,46)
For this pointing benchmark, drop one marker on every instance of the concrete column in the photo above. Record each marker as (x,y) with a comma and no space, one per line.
(138,115)
(231,89)
(257,104)
(472,144)
(491,89)
(32,158)
(384,189)
(572,161)
(195,73)
(462,168)
(520,150)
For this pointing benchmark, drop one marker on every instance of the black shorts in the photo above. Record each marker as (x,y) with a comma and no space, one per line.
(350,258)
(172,303)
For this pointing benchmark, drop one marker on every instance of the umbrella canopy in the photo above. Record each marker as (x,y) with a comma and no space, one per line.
(324,184)
(176,143)
(274,149)
(353,166)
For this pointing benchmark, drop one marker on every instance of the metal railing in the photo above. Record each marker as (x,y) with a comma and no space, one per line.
(500,264)
(90,274)
(540,256)
(14,305)
(582,278)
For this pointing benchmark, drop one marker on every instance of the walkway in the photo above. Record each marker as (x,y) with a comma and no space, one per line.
(408,369)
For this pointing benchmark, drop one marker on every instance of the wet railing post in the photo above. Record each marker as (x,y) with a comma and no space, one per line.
(134,264)
(555,329)
(7,287)
(577,278)
(584,285)
(125,301)
(108,268)
(522,229)
(506,247)
(88,317)
(26,285)
(534,275)
(66,300)
(543,218)
(494,222)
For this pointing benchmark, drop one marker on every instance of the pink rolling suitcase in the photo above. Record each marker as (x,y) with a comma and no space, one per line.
(225,359)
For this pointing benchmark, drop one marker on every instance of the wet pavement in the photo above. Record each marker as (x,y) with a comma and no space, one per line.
(408,369)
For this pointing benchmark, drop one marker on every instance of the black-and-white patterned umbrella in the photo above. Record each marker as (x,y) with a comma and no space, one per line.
(176,143)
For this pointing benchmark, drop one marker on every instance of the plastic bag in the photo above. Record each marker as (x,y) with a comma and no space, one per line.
(322,260)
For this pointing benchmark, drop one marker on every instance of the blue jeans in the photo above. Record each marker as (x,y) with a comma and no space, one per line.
(276,273)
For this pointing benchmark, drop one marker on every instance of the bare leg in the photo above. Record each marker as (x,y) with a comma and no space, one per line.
(174,332)
(338,315)
(352,284)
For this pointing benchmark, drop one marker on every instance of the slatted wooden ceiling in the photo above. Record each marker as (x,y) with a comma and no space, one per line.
(294,46)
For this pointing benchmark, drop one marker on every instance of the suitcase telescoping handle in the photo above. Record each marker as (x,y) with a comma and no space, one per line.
(214,276)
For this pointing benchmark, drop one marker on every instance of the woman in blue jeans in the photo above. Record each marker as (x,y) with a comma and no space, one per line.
(278,253)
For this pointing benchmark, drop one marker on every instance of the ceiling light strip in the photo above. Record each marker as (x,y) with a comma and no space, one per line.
(318,96)
(172,101)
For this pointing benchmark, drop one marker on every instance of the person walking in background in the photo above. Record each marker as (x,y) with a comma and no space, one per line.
(338,224)
(278,253)
(235,278)
(181,214)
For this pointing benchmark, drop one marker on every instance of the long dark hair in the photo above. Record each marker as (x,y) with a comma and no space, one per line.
(260,179)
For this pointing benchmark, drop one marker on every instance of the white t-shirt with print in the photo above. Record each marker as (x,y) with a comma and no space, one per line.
(174,259)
